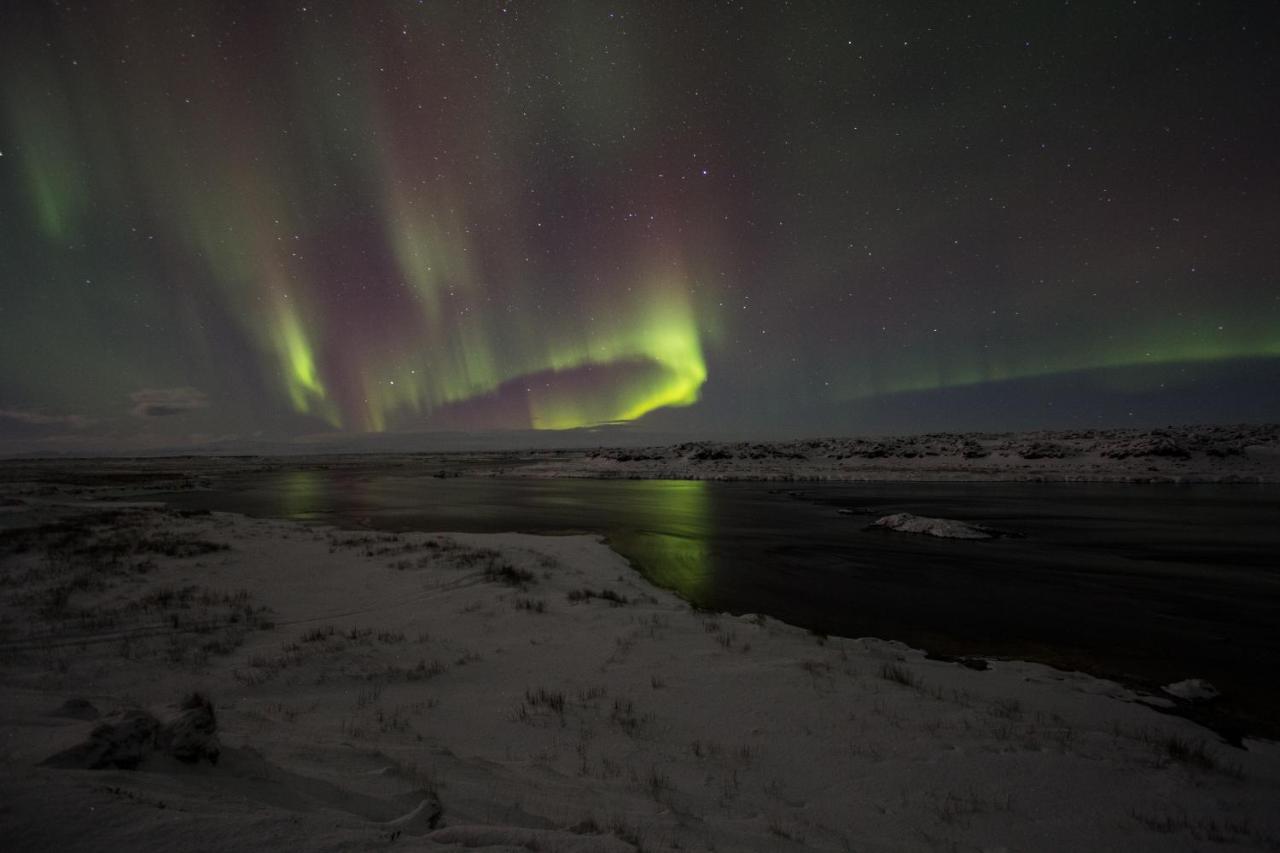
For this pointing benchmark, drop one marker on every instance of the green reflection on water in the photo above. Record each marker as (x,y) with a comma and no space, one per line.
(300,493)
(668,539)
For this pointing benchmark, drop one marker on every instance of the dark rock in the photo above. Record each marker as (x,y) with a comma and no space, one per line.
(1224,452)
(125,739)
(191,734)
(121,743)
(77,709)
(1045,450)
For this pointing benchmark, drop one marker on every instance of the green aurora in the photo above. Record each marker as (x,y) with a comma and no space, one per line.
(412,216)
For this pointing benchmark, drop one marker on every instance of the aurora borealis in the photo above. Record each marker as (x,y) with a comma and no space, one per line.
(289,220)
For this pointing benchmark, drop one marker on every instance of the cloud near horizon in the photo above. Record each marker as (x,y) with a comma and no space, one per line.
(166,402)
(34,417)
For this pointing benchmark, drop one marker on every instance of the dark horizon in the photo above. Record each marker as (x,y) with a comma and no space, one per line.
(568,441)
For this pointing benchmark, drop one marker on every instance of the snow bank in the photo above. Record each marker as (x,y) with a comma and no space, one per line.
(943,528)
(1192,689)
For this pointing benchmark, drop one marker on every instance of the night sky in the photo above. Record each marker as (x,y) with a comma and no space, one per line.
(228,222)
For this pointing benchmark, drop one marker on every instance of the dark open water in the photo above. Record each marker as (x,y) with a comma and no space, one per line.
(1148,584)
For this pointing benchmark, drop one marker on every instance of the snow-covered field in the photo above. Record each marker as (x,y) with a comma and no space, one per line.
(1212,454)
(513,692)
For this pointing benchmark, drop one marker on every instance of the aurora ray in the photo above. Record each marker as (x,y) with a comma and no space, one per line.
(400,217)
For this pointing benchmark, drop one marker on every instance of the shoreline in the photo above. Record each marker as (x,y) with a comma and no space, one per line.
(1244,713)
(1247,454)
(1240,453)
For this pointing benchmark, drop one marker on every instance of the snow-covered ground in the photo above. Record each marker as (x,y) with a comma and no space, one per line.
(514,692)
(1247,454)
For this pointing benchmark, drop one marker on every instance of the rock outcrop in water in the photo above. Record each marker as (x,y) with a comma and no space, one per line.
(943,528)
